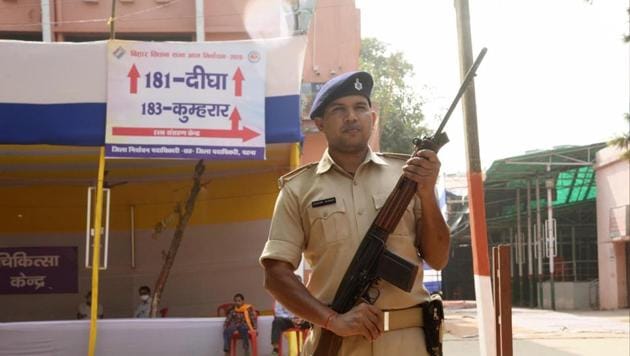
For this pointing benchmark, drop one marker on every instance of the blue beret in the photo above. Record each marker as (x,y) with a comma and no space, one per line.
(346,84)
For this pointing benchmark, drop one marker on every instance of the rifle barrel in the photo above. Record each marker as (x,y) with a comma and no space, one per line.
(462,89)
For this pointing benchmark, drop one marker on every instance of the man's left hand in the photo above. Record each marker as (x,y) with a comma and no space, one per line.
(423,168)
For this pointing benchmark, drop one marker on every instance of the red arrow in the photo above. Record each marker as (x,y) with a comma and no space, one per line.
(245,134)
(235,117)
(133,79)
(248,134)
(238,79)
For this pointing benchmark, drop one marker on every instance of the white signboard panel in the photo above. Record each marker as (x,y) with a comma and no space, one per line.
(186,100)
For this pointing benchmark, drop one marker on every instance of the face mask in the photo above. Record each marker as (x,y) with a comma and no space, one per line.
(144,297)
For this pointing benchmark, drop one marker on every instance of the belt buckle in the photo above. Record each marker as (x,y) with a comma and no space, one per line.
(386,321)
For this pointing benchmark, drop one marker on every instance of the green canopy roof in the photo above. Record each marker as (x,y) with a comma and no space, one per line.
(517,170)
(570,167)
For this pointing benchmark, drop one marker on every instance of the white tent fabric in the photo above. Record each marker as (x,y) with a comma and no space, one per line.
(56,93)
(119,337)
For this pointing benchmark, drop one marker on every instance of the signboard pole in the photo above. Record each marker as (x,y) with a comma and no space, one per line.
(96,252)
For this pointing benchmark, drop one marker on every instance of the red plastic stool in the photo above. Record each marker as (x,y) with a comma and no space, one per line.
(253,344)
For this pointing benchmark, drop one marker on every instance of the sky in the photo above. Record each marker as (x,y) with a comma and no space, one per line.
(556,72)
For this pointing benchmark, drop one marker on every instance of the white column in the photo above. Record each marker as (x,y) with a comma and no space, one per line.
(200,21)
(46,30)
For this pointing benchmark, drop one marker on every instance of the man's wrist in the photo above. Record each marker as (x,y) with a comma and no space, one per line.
(329,320)
(423,195)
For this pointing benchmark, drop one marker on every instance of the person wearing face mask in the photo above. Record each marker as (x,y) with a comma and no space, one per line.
(143,310)
(86,307)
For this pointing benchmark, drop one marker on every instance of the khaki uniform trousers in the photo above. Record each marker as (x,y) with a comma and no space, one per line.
(401,342)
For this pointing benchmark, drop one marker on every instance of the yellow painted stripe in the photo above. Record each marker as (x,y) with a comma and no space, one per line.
(47,209)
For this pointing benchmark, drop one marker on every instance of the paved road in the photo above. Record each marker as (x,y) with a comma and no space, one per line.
(547,347)
(544,332)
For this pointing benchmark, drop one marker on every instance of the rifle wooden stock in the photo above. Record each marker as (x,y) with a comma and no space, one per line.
(329,343)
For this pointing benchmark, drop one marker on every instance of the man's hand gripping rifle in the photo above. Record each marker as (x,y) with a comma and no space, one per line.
(373,261)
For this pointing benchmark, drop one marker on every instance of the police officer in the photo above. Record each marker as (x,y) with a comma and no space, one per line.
(325,208)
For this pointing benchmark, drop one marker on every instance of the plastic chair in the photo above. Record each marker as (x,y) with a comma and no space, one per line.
(301,335)
(253,342)
(163,312)
(252,334)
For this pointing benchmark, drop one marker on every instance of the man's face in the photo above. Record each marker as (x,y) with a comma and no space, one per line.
(347,123)
(238,301)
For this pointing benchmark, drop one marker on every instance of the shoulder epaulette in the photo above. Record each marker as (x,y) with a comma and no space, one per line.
(402,156)
(294,173)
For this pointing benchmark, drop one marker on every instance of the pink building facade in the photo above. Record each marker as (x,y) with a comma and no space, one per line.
(613,228)
(333,26)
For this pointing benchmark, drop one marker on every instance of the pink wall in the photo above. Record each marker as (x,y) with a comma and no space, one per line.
(334,40)
(613,190)
(220,16)
(20,16)
(334,33)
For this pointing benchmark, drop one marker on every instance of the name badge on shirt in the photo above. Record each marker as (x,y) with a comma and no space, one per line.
(323,202)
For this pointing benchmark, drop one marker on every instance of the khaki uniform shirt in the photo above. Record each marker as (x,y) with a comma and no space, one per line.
(323,213)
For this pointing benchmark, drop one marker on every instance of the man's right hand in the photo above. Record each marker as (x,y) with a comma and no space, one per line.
(364,319)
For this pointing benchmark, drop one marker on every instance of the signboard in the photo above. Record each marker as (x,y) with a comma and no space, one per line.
(38,270)
(186,100)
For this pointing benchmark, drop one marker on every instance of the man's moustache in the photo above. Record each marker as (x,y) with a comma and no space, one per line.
(350,127)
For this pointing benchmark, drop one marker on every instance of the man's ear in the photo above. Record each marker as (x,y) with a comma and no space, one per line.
(319,122)
(374,118)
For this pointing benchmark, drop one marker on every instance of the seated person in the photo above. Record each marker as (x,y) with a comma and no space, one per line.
(284,320)
(242,318)
(143,310)
(85,308)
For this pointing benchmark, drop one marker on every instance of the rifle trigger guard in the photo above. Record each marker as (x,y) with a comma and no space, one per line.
(372,294)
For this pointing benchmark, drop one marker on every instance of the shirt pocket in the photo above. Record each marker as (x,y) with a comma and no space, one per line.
(329,224)
(406,227)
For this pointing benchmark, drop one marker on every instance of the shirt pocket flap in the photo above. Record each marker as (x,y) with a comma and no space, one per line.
(328,224)
(324,212)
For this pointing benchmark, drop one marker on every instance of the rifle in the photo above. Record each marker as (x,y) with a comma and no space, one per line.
(373,261)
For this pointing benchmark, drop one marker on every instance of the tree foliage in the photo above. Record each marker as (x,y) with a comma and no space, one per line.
(399,108)
(623,141)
